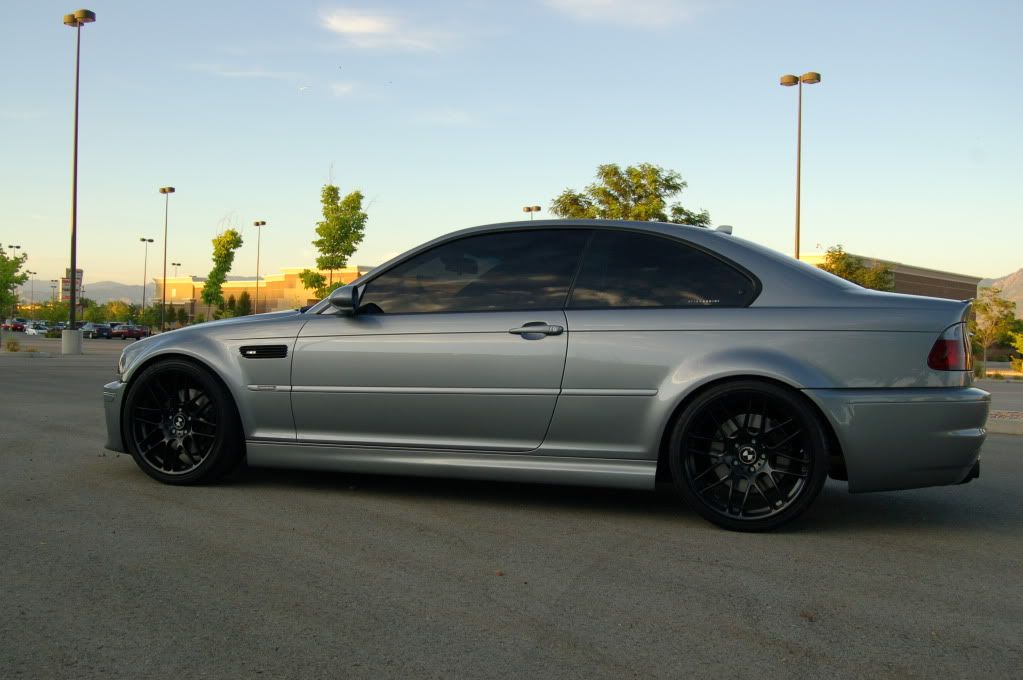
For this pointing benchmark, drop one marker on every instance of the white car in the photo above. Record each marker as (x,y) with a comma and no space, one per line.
(36,328)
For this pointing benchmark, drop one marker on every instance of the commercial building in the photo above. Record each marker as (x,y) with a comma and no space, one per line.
(914,280)
(276,291)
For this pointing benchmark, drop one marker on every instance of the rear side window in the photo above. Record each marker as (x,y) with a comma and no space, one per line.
(508,271)
(626,269)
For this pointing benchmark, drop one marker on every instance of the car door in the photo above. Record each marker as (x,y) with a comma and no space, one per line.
(641,304)
(459,347)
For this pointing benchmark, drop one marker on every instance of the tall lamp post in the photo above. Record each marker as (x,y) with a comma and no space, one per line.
(145,267)
(32,292)
(53,290)
(71,339)
(259,234)
(810,78)
(166,191)
(530,209)
(175,265)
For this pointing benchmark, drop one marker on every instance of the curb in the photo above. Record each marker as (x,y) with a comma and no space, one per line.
(28,355)
(1005,422)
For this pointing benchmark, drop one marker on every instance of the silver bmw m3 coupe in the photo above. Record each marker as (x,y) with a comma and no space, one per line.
(575,352)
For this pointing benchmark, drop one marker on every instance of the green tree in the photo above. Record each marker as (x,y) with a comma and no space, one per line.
(314,281)
(341,230)
(118,310)
(244,307)
(992,319)
(232,306)
(182,316)
(851,268)
(224,247)
(639,192)
(11,277)
(54,311)
(96,313)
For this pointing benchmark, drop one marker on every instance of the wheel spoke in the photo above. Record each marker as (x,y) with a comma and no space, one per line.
(787,438)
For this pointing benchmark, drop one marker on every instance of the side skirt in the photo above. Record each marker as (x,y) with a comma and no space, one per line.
(625,474)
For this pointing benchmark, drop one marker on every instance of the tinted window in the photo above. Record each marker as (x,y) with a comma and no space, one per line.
(624,269)
(517,270)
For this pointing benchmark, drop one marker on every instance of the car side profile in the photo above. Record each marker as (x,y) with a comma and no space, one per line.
(584,352)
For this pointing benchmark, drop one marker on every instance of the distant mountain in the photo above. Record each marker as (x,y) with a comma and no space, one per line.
(1012,289)
(100,291)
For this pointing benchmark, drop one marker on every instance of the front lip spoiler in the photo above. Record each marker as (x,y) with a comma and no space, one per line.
(973,474)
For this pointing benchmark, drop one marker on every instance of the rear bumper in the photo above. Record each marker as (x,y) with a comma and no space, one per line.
(113,395)
(904,439)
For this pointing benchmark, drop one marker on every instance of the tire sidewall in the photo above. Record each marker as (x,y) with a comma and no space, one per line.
(818,449)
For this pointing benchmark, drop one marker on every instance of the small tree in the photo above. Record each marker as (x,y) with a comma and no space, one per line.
(11,277)
(314,281)
(851,268)
(224,247)
(232,306)
(244,307)
(639,192)
(341,230)
(993,317)
(182,316)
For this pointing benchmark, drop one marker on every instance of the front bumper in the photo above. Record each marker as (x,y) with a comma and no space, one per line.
(909,438)
(113,396)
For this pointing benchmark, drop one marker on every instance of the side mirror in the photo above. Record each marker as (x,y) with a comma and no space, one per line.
(346,298)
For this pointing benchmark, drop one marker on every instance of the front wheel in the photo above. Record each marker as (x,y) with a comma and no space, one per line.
(180,424)
(749,456)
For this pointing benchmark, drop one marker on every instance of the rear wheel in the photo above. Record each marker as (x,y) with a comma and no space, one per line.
(749,456)
(180,424)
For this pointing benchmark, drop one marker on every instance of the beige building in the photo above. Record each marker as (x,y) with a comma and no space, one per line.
(917,280)
(276,291)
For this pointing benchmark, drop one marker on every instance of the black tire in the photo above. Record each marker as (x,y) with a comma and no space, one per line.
(180,424)
(749,455)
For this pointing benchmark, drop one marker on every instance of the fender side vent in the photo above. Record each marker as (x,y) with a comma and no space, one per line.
(264,351)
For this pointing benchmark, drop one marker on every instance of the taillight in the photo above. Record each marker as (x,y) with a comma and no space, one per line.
(951,351)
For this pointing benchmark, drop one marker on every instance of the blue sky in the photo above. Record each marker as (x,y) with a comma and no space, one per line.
(452,114)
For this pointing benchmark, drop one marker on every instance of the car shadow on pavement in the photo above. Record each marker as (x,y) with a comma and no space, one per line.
(835,510)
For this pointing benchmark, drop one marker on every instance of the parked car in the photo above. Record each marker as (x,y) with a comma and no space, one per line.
(96,330)
(130,331)
(16,324)
(36,328)
(575,352)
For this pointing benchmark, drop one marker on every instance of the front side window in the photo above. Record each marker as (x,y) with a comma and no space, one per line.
(626,269)
(509,271)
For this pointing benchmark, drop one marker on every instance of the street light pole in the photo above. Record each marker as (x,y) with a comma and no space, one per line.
(145,267)
(53,290)
(32,293)
(71,341)
(175,265)
(810,78)
(166,191)
(531,209)
(259,235)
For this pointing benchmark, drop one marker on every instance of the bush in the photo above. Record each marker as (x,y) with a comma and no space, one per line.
(1017,365)
(52,333)
(12,346)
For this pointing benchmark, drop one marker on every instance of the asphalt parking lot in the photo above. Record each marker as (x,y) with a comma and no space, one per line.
(295,574)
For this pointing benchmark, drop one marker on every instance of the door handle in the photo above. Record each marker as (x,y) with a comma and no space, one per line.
(537,328)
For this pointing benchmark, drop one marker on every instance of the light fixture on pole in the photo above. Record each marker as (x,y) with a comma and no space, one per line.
(175,265)
(53,290)
(166,191)
(810,78)
(259,233)
(32,293)
(71,340)
(145,266)
(531,209)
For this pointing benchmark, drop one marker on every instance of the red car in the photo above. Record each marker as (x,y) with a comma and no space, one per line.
(16,324)
(129,331)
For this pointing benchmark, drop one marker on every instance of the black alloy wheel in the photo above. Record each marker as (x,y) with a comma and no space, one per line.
(180,424)
(749,456)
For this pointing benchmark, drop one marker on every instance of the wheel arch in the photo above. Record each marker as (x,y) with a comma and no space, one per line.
(199,362)
(663,474)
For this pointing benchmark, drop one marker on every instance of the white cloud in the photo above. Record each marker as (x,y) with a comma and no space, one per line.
(341,89)
(645,13)
(226,72)
(369,30)
(445,118)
